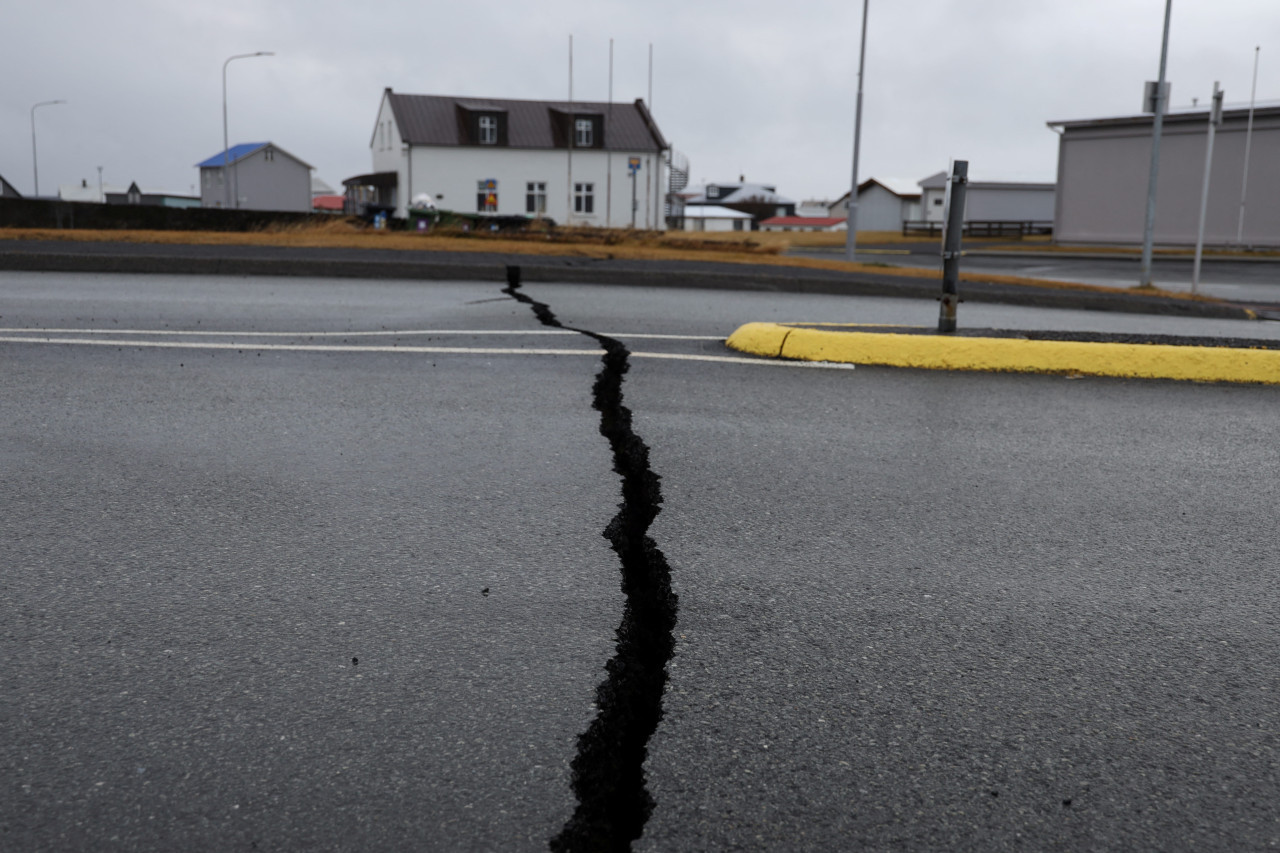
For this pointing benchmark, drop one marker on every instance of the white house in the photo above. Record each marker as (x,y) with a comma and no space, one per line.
(255,176)
(579,163)
(759,200)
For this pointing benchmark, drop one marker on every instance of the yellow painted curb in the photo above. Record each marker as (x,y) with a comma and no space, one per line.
(942,352)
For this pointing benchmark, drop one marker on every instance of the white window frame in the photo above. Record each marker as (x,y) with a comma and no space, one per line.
(584,196)
(535,196)
(488,130)
(583,136)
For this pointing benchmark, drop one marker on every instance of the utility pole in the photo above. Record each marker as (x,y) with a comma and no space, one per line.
(1149,227)
(226,153)
(851,236)
(1215,119)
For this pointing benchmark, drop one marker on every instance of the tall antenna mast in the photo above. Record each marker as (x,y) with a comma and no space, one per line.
(608,150)
(568,211)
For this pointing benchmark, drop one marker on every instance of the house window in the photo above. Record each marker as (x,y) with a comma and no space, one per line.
(937,202)
(535,198)
(584,198)
(269,155)
(582,135)
(737,225)
(488,130)
(487,196)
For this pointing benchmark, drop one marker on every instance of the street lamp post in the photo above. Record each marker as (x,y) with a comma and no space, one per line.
(1149,225)
(226,154)
(35,169)
(851,219)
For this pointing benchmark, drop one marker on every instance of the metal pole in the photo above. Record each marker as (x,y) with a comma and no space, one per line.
(1248,141)
(633,199)
(35,169)
(226,155)
(648,104)
(608,151)
(568,213)
(1215,115)
(1149,226)
(851,236)
(956,188)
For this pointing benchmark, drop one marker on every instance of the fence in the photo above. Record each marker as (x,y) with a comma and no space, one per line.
(1014,230)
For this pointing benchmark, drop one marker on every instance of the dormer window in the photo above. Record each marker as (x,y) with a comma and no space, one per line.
(488,130)
(713,192)
(583,136)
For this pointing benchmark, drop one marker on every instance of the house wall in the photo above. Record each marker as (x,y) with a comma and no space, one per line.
(454,173)
(281,183)
(986,203)
(213,189)
(879,210)
(1103,173)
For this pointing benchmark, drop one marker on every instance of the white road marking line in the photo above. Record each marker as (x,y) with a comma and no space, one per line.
(404,332)
(411,350)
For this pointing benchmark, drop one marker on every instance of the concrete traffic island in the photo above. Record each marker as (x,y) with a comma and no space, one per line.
(1064,353)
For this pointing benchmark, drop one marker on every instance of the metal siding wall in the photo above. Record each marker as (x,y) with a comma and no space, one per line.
(1103,184)
(1009,205)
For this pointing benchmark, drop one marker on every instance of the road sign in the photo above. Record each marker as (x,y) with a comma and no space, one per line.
(633,165)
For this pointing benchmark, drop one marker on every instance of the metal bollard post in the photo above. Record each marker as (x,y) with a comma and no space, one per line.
(957,185)
(513,276)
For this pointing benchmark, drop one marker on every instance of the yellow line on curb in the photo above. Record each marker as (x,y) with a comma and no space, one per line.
(938,352)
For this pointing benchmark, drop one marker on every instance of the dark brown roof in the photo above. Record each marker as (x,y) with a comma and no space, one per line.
(434,120)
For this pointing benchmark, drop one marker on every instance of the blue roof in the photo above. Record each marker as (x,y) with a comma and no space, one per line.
(235,152)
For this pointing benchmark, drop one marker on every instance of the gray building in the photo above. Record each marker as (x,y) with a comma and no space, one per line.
(990,201)
(7,189)
(255,176)
(881,207)
(1103,167)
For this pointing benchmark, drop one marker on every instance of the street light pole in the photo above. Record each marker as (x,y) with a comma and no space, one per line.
(35,169)
(851,221)
(226,154)
(1149,227)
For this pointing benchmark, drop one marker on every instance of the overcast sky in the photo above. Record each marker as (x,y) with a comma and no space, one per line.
(742,87)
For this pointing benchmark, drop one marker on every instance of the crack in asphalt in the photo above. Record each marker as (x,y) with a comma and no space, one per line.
(608,771)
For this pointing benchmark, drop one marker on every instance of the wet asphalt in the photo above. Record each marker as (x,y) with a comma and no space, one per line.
(266,598)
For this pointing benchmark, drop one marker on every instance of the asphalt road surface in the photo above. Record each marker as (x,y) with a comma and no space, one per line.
(309,564)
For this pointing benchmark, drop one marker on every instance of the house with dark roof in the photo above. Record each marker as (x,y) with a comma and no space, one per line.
(7,190)
(759,200)
(580,162)
(255,176)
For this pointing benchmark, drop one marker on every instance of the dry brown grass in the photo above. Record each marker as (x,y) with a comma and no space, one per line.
(756,248)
